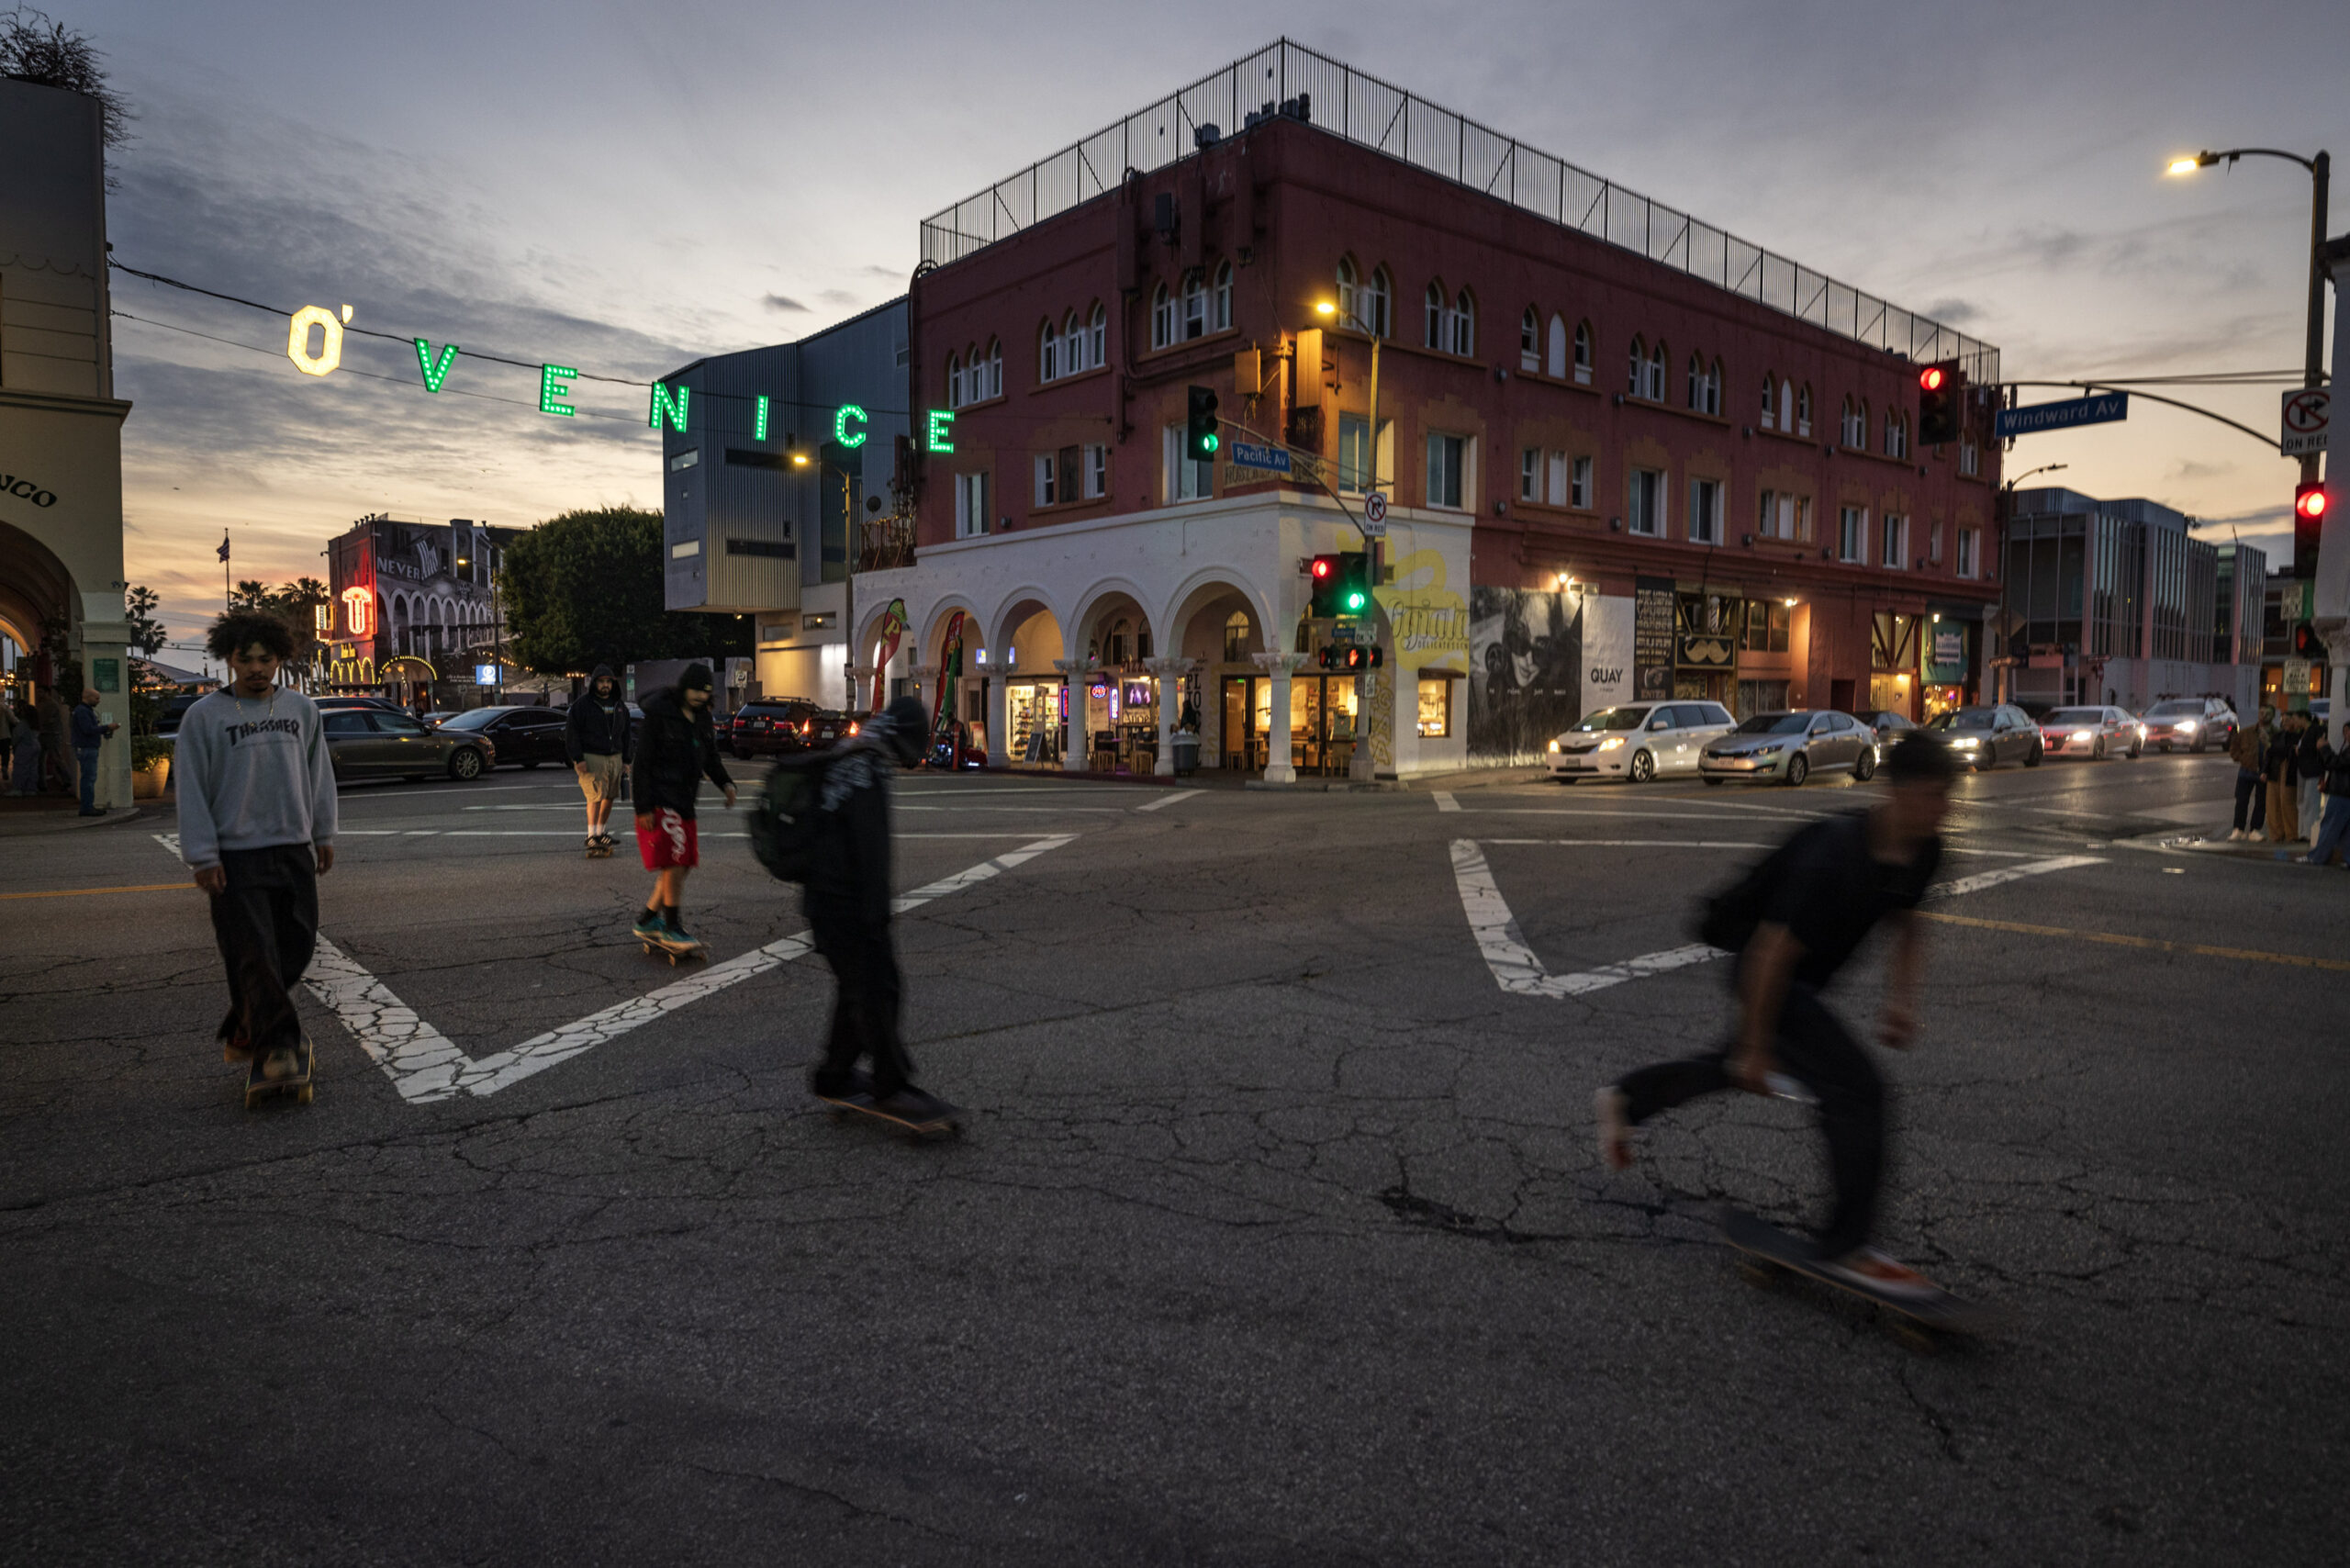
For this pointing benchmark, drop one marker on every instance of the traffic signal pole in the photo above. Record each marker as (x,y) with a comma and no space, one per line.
(1369,723)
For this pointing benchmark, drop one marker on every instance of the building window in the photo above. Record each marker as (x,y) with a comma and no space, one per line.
(1220,302)
(1529,340)
(1464,325)
(1195,307)
(1639,366)
(989,372)
(1554,359)
(1970,459)
(1579,483)
(1583,352)
(1785,515)
(1048,480)
(1653,379)
(1235,637)
(1969,558)
(1856,428)
(1644,501)
(1705,511)
(1529,474)
(955,381)
(1186,480)
(1435,710)
(1097,338)
(1934,542)
(1378,304)
(970,505)
(1894,538)
(1851,432)
(1767,621)
(1787,405)
(1897,436)
(1097,472)
(1770,401)
(1448,457)
(1803,412)
(1558,467)
(1851,535)
(1440,319)
(1704,385)
(1162,318)
(1048,353)
(1355,455)
(1347,301)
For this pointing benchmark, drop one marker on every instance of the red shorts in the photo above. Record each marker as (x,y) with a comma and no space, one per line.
(666,838)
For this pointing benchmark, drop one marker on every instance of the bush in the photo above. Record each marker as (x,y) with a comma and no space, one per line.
(147,750)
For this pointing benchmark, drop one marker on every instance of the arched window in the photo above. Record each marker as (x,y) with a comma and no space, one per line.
(1048,353)
(1896,435)
(1162,318)
(1786,405)
(1464,324)
(1640,364)
(1714,388)
(1770,401)
(1696,382)
(1529,340)
(1554,360)
(1437,335)
(1220,308)
(994,383)
(1195,307)
(1583,352)
(1073,345)
(1848,429)
(1097,338)
(1378,304)
(1346,288)
(1235,637)
(954,381)
(1660,384)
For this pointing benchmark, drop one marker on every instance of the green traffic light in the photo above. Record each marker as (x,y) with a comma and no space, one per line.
(1354,601)
(1208,444)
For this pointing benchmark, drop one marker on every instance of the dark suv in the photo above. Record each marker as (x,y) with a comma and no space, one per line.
(778,726)
(520,735)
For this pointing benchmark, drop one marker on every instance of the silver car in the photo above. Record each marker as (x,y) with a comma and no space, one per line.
(1638,741)
(2096,732)
(1791,746)
(1984,737)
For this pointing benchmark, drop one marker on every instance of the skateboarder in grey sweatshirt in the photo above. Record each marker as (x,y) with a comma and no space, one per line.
(257,821)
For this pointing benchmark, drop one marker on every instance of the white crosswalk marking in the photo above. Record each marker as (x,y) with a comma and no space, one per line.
(1444,800)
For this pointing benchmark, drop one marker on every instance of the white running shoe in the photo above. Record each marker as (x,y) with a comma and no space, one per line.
(1615,1132)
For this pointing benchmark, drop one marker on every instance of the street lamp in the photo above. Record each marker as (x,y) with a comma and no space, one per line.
(2320,169)
(2044,468)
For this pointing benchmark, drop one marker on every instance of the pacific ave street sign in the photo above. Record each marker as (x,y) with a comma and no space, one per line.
(2307,419)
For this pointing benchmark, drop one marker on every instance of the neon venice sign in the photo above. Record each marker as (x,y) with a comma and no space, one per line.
(314,343)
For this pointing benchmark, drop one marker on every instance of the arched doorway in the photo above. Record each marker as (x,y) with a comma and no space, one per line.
(1024,695)
(1118,700)
(1221,627)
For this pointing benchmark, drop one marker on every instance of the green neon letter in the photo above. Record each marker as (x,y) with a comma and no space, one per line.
(672,408)
(759,423)
(941,438)
(840,426)
(435,372)
(553,388)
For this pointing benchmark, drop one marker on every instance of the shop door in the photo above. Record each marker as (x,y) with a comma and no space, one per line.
(1248,709)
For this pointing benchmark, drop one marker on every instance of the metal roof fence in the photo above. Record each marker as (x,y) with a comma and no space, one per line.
(1369,113)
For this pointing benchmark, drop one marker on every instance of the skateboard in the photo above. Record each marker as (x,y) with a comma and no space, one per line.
(258,1089)
(944,1121)
(673,951)
(1767,1252)
(600,849)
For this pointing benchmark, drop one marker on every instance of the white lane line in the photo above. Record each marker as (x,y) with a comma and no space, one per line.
(1034,810)
(170,841)
(1444,800)
(425,1065)
(1635,843)
(1635,814)
(1169,799)
(1518,971)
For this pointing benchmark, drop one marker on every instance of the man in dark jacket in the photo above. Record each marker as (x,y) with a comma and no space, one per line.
(848,900)
(676,749)
(2333,831)
(2309,758)
(598,736)
(88,737)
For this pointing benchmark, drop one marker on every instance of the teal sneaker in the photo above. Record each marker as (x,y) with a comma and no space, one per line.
(650,928)
(677,939)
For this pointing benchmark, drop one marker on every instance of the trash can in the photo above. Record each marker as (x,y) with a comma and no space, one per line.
(1187,753)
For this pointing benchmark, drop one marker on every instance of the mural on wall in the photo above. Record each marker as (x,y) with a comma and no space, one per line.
(1525,671)
(1428,622)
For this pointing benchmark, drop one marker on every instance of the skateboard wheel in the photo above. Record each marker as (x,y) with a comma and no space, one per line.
(304,1096)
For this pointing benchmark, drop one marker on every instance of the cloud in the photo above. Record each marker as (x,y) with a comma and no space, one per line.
(894,275)
(783,302)
(838,296)
(1953,312)
(2187,468)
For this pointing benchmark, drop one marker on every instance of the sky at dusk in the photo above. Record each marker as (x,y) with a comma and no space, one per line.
(626,187)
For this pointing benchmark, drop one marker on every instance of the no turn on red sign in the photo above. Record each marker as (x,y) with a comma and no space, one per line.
(2309,415)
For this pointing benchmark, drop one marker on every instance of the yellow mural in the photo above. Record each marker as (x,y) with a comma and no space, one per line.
(1430,622)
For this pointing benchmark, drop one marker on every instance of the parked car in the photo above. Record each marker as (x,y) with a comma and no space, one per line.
(2192,723)
(1791,746)
(1638,741)
(1889,725)
(441,715)
(174,707)
(524,736)
(1986,736)
(778,726)
(2096,732)
(376,742)
(329,704)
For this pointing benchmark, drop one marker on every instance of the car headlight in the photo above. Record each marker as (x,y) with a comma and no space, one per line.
(1554,749)
(1771,750)
(1615,745)
(2084,735)
(1965,742)
(2186,726)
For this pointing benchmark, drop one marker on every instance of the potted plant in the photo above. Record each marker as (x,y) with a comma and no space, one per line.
(151,766)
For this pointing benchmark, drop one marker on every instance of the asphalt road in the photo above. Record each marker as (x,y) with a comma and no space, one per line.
(1279,1236)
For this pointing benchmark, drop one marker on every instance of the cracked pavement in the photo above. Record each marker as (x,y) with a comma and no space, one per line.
(1278,1234)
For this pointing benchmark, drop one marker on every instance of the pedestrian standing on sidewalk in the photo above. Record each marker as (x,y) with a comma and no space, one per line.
(2278,769)
(1794,922)
(88,737)
(257,821)
(676,748)
(597,733)
(2308,761)
(2333,832)
(2246,749)
(847,900)
(27,750)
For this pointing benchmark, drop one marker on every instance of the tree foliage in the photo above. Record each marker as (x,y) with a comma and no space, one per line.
(146,634)
(297,603)
(34,47)
(585,588)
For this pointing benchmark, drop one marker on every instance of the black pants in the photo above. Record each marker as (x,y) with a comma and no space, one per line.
(864,1007)
(267,923)
(2254,789)
(1814,1049)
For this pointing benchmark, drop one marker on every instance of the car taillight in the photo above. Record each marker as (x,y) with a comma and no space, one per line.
(852,727)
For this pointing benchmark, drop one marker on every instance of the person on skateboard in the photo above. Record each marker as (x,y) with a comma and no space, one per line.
(677,748)
(847,898)
(257,821)
(597,733)
(1794,922)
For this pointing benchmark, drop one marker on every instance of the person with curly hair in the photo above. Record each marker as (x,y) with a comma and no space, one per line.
(257,823)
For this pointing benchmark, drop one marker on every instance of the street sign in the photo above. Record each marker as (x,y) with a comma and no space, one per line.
(1273,459)
(2101,408)
(1374,515)
(2309,415)
(1347,636)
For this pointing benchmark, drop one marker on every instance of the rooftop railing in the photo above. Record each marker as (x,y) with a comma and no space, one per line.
(1342,101)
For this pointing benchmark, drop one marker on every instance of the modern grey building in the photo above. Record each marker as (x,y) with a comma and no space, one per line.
(784,452)
(2117,601)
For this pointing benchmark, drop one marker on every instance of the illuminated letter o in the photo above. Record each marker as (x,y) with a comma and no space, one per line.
(297,341)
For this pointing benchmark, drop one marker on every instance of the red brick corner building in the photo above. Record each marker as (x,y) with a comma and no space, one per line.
(1626,455)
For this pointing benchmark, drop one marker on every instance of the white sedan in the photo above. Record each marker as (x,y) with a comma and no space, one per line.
(1638,741)
(2096,733)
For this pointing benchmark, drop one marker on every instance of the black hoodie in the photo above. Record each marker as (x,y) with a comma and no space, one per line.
(598,727)
(675,751)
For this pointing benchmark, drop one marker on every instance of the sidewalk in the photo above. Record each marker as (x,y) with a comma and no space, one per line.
(22,816)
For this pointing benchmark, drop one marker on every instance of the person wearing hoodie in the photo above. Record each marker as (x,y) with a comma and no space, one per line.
(2248,749)
(847,899)
(598,735)
(676,748)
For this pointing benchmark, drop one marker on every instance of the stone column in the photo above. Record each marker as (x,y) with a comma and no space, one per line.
(1076,673)
(860,685)
(1169,673)
(926,678)
(999,718)
(1279,768)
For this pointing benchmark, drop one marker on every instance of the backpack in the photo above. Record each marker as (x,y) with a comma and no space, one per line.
(1730,918)
(785,819)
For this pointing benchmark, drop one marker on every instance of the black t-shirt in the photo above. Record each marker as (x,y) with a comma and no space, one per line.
(1833,893)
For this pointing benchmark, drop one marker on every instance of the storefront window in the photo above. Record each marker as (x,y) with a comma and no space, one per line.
(1436,708)
(1766,626)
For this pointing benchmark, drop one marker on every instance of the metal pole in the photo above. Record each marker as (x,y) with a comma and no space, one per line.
(2313,357)
(1368,726)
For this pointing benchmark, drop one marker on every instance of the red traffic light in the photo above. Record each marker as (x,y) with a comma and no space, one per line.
(1324,565)
(1930,378)
(2309,503)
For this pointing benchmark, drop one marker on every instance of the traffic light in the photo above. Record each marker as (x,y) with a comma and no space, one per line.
(1200,439)
(2307,644)
(1353,657)
(2309,521)
(1939,387)
(1341,588)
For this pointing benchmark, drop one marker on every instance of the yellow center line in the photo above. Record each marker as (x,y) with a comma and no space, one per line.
(2155,944)
(84,892)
